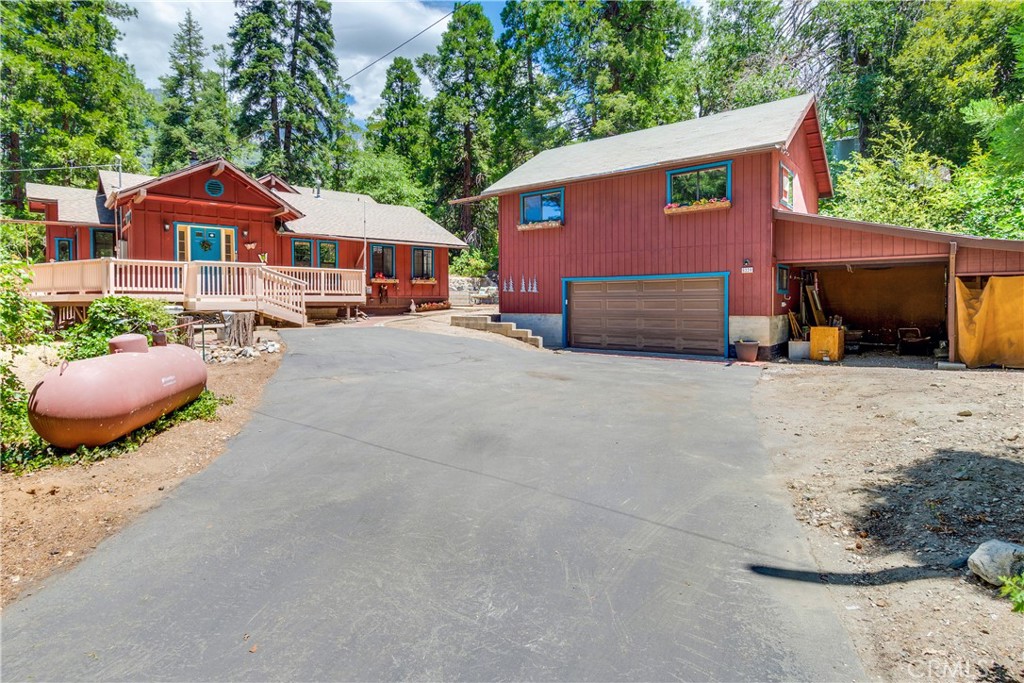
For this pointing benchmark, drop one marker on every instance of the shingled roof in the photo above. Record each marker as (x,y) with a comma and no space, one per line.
(74,204)
(761,127)
(343,217)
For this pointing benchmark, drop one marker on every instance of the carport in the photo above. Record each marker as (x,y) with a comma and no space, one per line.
(883,278)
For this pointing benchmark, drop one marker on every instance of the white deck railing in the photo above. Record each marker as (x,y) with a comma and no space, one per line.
(278,291)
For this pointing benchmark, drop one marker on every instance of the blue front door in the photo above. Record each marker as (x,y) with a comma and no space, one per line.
(206,244)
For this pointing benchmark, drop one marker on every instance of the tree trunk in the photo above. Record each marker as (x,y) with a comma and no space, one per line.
(466,219)
(293,68)
(14,155)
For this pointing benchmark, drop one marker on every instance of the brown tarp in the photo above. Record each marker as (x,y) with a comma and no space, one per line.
(990,323)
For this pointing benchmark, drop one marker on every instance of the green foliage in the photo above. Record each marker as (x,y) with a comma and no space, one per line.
(1013,589)
(898,185)
(386,177)
(37,454)
(21,241)
(993,202)
(194,107)
(469,263)
(109,317)
(292,104)
(399,124)
(462,73)
(22,322)
(68,98)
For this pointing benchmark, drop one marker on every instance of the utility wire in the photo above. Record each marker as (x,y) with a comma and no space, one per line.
(385,56)
(56,168)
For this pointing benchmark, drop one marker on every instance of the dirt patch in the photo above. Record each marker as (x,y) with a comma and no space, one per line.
(53,518)
(898,474)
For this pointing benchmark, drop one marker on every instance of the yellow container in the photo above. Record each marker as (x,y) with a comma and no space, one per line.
(827,343)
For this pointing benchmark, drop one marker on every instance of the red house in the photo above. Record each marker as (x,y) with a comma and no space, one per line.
(687,237)
(210,237)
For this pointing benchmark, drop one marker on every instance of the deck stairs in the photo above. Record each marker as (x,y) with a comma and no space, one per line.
(492,323)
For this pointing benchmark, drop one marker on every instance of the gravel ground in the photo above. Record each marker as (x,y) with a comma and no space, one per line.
(897,474)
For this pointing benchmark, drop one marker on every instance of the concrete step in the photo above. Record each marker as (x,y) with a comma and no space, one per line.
(521,335)
(501,328)
(535,341)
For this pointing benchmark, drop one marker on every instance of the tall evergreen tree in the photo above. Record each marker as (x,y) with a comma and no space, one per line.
(69,99)
(462,73)
(196,117)
(613,60)
(292,104)
(399,124)
(526,107)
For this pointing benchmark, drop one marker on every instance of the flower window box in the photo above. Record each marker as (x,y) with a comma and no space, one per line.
(539,225)
(702,205)
(424,281)
(384,280)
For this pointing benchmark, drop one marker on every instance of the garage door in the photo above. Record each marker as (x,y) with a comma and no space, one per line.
(685,315)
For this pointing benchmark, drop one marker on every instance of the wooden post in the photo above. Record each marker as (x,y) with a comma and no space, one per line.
(951,303)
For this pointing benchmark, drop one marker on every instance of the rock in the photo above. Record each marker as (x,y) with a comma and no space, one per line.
(965,413)
(995,558)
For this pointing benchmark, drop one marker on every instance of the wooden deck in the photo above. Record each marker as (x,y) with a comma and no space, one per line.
(279,292)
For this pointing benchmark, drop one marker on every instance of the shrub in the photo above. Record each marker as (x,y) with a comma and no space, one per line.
(22,322)
(1013,588)
(469,263)
(109,317)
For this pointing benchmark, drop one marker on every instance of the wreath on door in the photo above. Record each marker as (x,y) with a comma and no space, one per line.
(206,245)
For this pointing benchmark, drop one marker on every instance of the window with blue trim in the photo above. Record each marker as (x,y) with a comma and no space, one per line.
(302,253)
(782,279)
(382,261)
(785,186)
(65,249)
(327,254)
(543,206)
(422,263)
(700,185)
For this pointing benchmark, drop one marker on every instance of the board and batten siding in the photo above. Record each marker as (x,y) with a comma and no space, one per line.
(803,243)
(616,226)
(975,261)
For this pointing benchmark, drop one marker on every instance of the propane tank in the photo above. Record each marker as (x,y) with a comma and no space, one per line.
(94,401)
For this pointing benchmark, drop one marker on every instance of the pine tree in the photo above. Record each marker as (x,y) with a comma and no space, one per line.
(526,107)
(292,103)
(196,117)
(462,74)
(399,124)
(69,99)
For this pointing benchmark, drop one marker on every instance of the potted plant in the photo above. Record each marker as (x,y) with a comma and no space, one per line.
(746,350)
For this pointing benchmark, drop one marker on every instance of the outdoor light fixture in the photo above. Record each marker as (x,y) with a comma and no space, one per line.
(746,263)
(167,227)
(245,233)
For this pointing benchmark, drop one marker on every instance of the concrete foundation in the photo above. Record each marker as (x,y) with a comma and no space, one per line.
(548,326)
(769,330)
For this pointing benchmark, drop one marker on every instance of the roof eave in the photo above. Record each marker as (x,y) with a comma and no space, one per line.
(739,151)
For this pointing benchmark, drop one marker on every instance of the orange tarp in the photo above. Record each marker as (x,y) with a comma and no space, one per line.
(990,323)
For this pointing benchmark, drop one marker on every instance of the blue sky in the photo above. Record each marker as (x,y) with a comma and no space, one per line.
(363,31)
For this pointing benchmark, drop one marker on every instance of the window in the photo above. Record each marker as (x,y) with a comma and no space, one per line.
(382,264)
(785,186)
(538,207)
(228,236)
(422,263)
(782,279)
(65,249)
(102,243)
(327,252)
(700,184)
(302,253)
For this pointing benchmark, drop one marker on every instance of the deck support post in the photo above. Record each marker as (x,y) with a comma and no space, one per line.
(951,303)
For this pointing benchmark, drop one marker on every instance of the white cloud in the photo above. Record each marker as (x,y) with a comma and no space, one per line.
(363,32)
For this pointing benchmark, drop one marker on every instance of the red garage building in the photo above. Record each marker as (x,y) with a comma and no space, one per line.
(687,237)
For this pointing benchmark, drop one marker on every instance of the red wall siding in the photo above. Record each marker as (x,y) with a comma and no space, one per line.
(974,261)
(616,226)
(798,160)
(804,243)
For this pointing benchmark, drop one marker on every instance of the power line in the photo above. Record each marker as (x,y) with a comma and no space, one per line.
(385,56)
(56,168)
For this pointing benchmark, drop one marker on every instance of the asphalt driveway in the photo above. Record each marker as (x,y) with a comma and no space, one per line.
(416,506)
